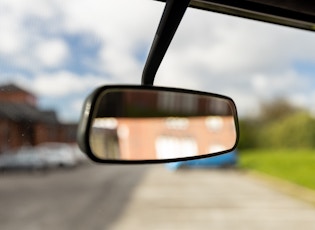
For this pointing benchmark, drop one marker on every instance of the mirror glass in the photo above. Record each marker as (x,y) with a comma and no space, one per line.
(138,124)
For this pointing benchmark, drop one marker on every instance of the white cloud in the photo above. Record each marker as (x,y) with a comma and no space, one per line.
(278,83)
(10,42)
(121,26)
(240,49)
(51,53)
(64,83)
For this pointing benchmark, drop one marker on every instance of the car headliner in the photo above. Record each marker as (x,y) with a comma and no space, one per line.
(294,13)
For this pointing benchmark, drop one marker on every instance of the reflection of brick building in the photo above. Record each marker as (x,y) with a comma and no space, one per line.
(22,123)
(154,124)
(176,137)
(160,138)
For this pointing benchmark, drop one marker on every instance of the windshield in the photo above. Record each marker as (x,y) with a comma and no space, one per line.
(54,53)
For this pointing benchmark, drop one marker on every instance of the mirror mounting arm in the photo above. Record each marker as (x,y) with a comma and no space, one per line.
(173,13)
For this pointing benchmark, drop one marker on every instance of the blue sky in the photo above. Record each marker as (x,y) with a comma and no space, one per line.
(62,50)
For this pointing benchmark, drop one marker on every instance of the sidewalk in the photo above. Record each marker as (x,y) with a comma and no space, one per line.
(211,199)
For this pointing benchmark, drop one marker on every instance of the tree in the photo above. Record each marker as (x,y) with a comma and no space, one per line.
(248,134)
(280,125)
(294,131)
(275,110)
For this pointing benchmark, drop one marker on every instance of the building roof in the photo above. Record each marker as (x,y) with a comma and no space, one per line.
(12,88)
(20,112)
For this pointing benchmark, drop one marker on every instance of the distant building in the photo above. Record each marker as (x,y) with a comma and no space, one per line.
(23,123)
(14,94)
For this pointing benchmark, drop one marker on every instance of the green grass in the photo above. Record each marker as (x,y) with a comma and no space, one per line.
(297,166)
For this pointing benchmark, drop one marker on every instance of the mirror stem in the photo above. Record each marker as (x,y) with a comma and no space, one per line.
(173,13)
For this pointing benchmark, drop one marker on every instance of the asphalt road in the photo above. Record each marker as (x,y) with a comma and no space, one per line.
(143,197)
(88,197)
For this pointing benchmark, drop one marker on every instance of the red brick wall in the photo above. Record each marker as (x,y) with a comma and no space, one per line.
(45,133)
(13,135)
(55,133)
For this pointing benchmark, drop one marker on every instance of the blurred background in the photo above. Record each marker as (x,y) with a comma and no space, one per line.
(54,53)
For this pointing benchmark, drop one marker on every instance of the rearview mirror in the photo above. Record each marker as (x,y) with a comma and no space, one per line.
(135,124)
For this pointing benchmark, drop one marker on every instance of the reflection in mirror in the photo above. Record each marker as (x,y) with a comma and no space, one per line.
(137,124)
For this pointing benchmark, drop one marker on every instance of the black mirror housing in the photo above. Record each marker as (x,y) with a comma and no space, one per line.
(144,124)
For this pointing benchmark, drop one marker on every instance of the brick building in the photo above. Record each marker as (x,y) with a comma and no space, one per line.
(23,123)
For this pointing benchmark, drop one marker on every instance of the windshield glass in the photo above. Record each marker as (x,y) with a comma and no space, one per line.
(54,53)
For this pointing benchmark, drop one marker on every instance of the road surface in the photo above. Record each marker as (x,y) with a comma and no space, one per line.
(212,199)
(88,197)
(146,197)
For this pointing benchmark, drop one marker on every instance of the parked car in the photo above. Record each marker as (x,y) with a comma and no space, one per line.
(221,161)
(57,155)
(7,161)
(25,158)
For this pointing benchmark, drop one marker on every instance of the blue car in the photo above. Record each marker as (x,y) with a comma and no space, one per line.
(220,161)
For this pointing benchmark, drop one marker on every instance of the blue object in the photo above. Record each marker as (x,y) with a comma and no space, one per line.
(223,160)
